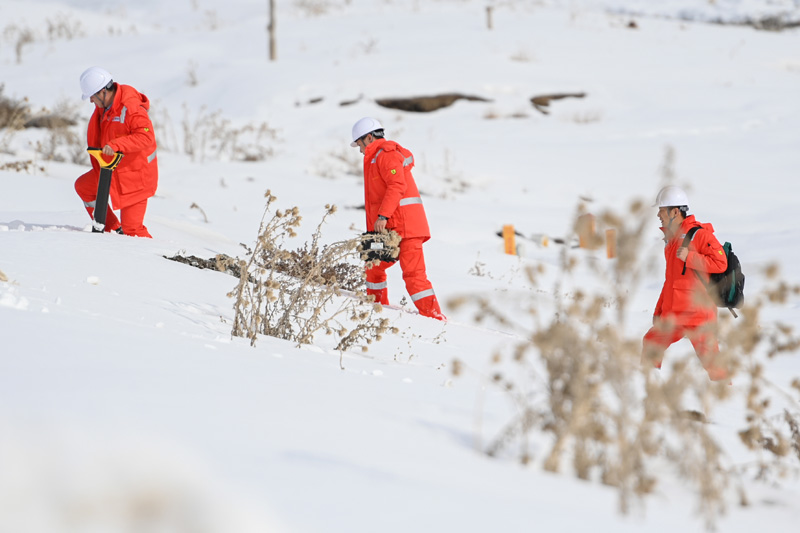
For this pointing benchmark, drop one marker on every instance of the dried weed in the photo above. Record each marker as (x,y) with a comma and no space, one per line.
(296,295)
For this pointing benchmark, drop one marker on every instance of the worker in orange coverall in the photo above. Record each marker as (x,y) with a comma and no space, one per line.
(392,202)
(120,123)
(685,308)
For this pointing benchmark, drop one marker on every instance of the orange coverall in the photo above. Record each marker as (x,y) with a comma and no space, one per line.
(684,308)
(125,126)
(390,190)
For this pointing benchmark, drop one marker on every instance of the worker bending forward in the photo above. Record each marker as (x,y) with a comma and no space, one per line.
(120,123)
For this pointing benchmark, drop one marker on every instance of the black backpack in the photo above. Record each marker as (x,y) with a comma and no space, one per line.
(725,288)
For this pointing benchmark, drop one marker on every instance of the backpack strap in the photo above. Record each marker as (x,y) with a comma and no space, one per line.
(686,240)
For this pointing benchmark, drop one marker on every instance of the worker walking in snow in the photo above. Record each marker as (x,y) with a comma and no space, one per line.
(120,123)
(685,308)
(392,202)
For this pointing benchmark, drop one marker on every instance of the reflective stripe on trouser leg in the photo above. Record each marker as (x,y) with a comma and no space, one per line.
(412,262)
(422,294)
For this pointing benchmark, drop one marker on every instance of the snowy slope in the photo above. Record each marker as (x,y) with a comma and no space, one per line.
(121,389)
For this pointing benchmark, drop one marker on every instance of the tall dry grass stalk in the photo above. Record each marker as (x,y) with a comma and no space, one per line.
(210,135)
(294,295)
(13,114)
(584,402)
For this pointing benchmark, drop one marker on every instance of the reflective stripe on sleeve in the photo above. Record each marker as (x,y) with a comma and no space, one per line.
(422,294)
(151,157)
(412,200)
(408,160)
(377,286)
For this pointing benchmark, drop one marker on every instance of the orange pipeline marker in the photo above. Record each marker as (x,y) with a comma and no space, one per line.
(611,243)
(509,239)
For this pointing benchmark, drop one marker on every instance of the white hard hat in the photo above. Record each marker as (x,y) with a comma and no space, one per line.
(92,80)
(671,196)
(364,126)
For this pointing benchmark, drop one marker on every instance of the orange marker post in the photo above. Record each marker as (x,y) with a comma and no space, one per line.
(509,239)
(611,243)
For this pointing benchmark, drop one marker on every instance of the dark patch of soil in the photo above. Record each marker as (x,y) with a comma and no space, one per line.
(346,276)
(426,104)
(542,102)
(351,102)
(769,23)
(220,263)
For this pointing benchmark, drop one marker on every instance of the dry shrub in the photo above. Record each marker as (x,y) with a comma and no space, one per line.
(13,114)
(63,27)
(23,38)
(62,144)
(584,117)
(28,166)
(583,397)
(63,141)
(192,79)
(339,163)
(313,8)
(295,295)
(211,135)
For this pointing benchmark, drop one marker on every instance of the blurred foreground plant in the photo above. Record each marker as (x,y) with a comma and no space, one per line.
(581,397)
(13,114)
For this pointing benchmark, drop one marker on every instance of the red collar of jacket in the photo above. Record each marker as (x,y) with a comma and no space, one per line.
(384,145)
(123,97)
(378,144)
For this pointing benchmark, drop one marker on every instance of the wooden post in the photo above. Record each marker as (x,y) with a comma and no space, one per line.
(509,239)
(611,243)
(489,17)
(273,51)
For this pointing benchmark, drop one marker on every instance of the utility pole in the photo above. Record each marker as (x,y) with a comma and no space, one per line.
(273,52)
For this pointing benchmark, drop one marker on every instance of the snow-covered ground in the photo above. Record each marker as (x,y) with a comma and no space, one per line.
(122,392)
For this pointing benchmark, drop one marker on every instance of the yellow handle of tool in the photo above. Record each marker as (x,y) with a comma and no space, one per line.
(97,153)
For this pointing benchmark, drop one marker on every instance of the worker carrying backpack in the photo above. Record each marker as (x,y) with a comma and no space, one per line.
(725,288)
